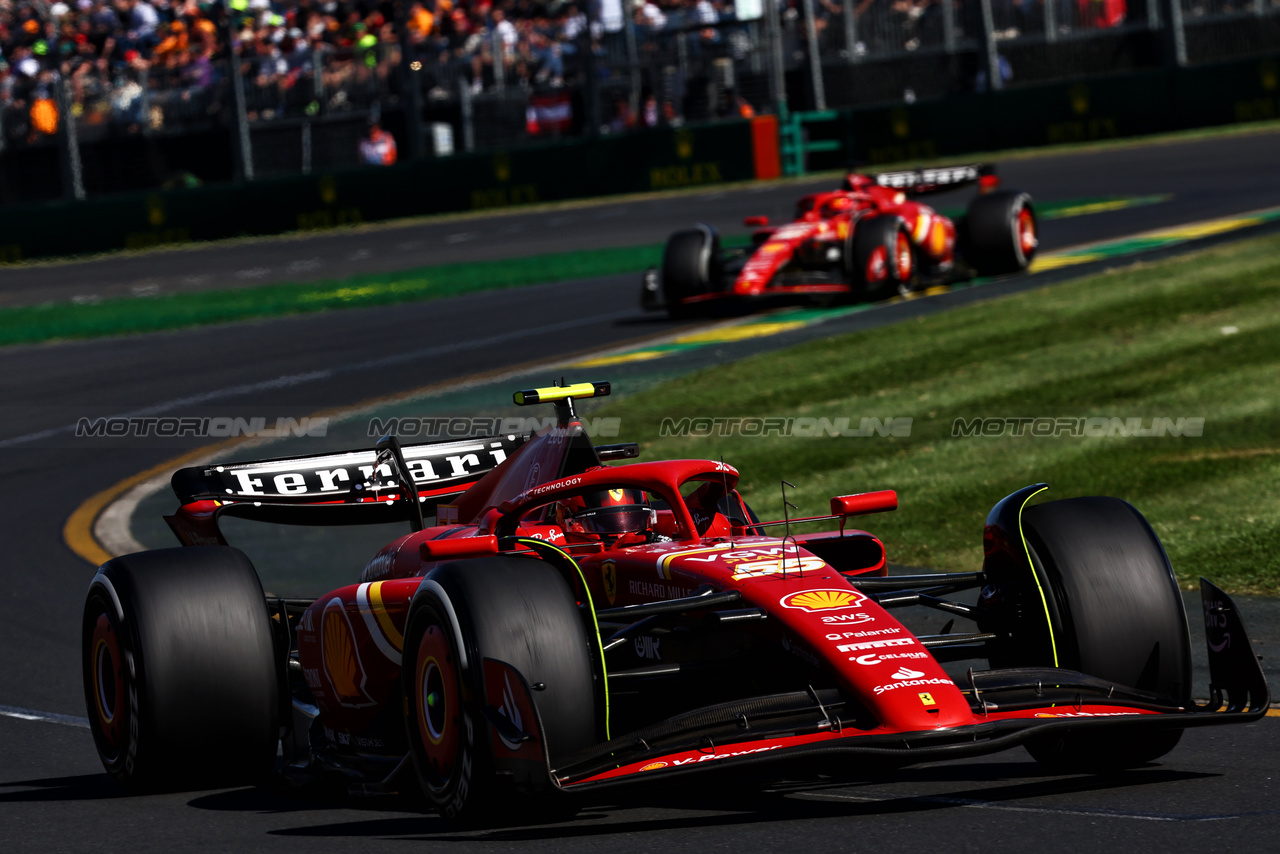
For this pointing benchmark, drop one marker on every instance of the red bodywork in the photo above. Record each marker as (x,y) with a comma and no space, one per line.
(349,642)
(822,226)
(808,255)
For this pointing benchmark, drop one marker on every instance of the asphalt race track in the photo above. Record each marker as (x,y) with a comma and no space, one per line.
(1215,790)
(1208,178)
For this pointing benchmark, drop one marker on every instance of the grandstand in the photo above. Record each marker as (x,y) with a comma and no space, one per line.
(99,96)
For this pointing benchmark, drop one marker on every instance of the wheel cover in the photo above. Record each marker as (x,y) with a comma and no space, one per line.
(1027,239)
(108,685)
(436,693)
(902,249)
(877,265)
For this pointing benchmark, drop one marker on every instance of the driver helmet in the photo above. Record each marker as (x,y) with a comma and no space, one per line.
(855,183)
(837,205)
(608,513)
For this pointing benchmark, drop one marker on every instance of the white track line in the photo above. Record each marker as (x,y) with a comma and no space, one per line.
(43,717)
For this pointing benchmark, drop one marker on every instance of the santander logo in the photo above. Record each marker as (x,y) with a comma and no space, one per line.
(907,673)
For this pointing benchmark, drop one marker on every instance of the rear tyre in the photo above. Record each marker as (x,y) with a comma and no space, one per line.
(690,266)
(1116,613)
(879,257)
(179,670)
(519,611)
(1002,233)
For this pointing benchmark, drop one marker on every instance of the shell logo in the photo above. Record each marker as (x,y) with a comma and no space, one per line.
(823,600)
(654,766)
(341,658)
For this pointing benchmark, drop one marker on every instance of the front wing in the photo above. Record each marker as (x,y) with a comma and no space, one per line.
(1010,707)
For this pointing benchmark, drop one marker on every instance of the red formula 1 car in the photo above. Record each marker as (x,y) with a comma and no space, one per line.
(872,237)
(568,626)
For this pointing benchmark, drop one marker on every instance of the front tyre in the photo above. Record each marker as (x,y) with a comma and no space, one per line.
(515,610)
(879,257)
(690,267)
(1116,614)
(179,670)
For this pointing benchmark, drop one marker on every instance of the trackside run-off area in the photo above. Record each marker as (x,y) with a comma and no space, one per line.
(1057,385)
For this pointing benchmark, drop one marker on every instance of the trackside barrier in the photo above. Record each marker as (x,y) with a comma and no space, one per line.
(1105,107)
(640,162)
(796,145)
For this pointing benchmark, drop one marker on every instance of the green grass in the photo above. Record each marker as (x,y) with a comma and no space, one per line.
(1144,341)
(125,315)
(173,311)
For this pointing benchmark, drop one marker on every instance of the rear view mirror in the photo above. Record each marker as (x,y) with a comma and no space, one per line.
(867,502)
(756,221)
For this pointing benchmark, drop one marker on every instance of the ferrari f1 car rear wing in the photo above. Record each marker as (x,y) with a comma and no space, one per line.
(937,179)
(345,475)
(356,487)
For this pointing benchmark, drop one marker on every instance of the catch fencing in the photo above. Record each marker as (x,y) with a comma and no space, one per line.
(244,117)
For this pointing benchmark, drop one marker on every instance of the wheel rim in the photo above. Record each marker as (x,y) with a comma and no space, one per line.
(1027,240)
(435,691)
(877,265)
(902,249)
(108,685)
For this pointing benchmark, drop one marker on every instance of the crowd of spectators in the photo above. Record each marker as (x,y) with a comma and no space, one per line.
(156,64)
(103,52)
(134,64)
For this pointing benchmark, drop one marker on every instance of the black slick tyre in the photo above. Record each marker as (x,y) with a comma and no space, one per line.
(690,267)
(516,610)
(179,667)
(880,258)
(1116,614)
(1001,233)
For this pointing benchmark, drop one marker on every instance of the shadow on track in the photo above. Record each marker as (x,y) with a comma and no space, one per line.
(734,804)
(83,787)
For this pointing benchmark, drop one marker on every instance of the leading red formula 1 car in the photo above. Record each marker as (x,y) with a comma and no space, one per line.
(570,625)
(872,237)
